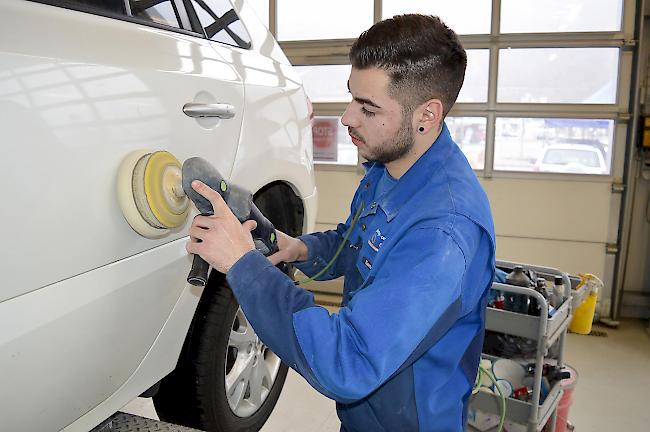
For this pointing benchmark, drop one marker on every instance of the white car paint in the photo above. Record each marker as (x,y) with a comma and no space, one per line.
(92,314)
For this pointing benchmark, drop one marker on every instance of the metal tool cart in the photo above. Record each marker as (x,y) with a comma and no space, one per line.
(542,329)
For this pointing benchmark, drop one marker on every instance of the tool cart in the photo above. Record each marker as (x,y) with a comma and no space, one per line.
(545,332)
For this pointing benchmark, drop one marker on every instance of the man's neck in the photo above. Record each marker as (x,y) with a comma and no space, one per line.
(399,167)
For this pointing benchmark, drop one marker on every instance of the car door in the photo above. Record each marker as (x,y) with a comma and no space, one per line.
(83,296)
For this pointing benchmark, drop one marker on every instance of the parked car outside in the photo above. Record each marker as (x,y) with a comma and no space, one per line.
(93,314)
(571,158)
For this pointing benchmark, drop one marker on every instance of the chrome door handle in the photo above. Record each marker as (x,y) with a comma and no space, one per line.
(220,110)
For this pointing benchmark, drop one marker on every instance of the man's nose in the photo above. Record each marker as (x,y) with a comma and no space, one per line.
(348,119)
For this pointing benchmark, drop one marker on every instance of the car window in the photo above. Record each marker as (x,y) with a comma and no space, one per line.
(221,23)
(93,6)
(569,156)
(157,11)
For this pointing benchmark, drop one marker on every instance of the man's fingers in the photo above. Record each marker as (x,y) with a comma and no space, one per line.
(275,259)
(218,204)
(197,233)
(193,247)
(278,257)
(249,225)
(205,222)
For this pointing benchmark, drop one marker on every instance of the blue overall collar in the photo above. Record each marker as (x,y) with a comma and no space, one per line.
(412,181)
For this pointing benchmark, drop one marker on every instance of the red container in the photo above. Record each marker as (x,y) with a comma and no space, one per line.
(568,385)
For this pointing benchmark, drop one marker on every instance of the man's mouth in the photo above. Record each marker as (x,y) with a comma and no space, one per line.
(355,139)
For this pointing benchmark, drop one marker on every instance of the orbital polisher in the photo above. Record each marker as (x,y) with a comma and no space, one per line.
(153,190)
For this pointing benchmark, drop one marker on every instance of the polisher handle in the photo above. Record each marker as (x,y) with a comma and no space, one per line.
(198,275)
(264,235)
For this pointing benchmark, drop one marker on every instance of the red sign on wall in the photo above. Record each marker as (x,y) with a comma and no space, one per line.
(324,132)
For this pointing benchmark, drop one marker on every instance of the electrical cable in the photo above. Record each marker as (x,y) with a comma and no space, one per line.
(477,386)
(338,251)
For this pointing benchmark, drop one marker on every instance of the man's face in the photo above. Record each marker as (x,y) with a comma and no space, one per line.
(375,120)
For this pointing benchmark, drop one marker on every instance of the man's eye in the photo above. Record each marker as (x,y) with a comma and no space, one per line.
(366,112)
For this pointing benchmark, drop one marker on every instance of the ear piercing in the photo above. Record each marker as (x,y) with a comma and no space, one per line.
(421,129)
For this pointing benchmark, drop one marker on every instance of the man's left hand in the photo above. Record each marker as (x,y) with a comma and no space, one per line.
(219,239)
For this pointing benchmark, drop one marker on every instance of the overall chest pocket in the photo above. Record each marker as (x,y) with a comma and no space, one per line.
(369,246)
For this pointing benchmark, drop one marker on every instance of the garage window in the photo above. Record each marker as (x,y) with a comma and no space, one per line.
(557,145)
(555,16)
(545,91)
(464,16)
(335,19)
(558,75)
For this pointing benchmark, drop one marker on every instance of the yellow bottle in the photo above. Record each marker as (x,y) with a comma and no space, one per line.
(583,316)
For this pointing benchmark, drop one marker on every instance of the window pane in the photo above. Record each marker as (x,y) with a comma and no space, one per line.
(114,6)
(332,142)
(261,8)
(453,13)
(221,22)
(469,134)
(534,16)
(327,83)
(160,13)
(336,19)
(475,87)
(558,75)
(577,146)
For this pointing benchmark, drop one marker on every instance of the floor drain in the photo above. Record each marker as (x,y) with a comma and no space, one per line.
(597,333)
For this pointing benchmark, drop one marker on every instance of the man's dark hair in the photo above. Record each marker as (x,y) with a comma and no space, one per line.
(422,56)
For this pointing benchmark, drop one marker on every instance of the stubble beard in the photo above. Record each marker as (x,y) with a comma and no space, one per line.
(395,148)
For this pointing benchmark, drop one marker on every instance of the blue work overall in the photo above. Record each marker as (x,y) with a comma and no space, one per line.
(403,351)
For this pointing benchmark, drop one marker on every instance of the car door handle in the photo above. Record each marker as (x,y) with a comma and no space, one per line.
(220,110)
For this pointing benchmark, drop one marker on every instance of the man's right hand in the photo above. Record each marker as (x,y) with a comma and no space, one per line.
(290,249)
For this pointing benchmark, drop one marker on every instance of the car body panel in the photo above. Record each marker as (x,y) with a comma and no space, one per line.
(97,326)
(93,313)
(97,105)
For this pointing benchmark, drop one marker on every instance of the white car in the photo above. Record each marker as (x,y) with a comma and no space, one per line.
(571,158)
(93,314)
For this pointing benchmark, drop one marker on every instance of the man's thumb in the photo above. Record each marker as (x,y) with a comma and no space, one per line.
(250,225)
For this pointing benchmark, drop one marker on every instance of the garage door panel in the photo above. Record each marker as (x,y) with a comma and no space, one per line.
(571,257)
(546,209)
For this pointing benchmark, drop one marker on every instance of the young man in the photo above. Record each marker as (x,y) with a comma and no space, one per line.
(403,351)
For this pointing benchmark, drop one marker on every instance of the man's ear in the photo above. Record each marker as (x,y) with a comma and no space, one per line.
(429,116)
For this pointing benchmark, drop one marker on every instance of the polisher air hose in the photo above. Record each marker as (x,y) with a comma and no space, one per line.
(338,251)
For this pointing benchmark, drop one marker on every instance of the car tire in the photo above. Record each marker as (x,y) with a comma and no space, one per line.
(226,379)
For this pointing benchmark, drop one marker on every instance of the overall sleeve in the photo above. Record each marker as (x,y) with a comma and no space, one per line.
(345,356)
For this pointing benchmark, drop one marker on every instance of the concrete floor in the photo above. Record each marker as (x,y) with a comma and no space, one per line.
(613,391)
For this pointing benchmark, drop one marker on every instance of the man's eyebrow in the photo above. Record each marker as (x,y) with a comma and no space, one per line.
(364,100)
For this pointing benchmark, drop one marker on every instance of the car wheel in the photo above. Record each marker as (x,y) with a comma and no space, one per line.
(226,379)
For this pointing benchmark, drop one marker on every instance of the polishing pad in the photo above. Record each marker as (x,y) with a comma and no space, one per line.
(150,192)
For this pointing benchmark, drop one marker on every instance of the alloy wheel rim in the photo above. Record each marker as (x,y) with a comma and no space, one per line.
(251,368)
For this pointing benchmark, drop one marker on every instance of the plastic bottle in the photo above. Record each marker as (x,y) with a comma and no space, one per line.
(518,277)
(518,302)
(558,291)
(583,316)
(540,286)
